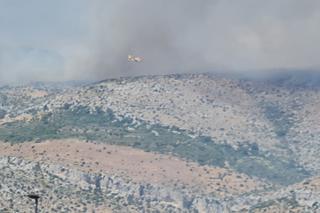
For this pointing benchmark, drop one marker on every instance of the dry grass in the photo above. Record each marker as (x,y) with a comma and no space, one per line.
(137,165)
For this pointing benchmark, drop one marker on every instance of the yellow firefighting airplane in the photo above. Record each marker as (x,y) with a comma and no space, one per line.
(132,58)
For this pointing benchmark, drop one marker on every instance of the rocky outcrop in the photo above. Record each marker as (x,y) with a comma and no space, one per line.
(54,182)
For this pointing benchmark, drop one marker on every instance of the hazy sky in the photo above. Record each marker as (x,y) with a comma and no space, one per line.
(90,39)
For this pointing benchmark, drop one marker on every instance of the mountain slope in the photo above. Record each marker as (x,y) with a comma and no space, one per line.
(259,131)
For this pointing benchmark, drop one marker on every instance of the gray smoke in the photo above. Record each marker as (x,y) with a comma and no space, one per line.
(171,36)
(179,36)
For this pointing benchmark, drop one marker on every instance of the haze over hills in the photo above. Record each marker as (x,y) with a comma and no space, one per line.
(159,135)
(171,143)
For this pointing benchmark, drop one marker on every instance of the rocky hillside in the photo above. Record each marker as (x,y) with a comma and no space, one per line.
(177,143)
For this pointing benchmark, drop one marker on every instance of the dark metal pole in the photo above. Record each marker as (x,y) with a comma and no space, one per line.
(35,198)
(36,208)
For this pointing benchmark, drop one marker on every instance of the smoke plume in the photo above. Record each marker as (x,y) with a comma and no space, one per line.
(173,36)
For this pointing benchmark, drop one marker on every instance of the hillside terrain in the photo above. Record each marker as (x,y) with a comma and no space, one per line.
(175,143)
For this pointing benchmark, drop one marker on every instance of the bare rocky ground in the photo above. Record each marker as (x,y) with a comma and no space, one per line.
(178,143)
